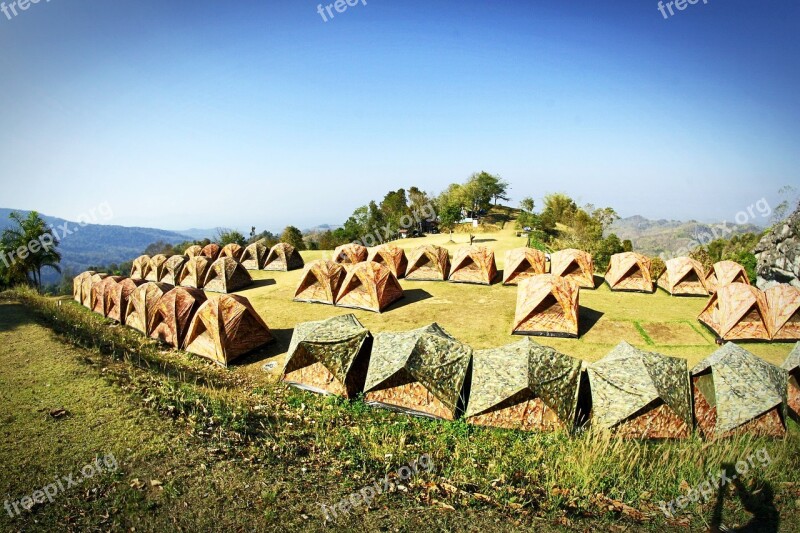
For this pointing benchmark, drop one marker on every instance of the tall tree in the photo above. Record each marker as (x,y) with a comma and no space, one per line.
(28,246)
(230,236)
(293,236)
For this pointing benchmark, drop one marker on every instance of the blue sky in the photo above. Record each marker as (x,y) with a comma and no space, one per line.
(202,114)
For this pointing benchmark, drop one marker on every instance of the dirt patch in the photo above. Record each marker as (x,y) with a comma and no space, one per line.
(674,333)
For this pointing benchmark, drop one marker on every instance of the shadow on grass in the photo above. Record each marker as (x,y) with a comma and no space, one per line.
(258,283)
(587,319)
(598,280)
(410,296)
(759,503)
(483,240)
(13,315)
(281,343)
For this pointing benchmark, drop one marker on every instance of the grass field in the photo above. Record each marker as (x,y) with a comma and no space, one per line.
(201,447)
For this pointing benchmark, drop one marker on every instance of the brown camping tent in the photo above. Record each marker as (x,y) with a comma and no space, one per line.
(142,303)
(783,312)
(392,256)
(428,263)
(737,312)
(254,255)
(473,264)
(173,268)
(629,271)
(683,276)
(226,328)
(118,298)
(101,292)
(351,253)
(194,271)
(156,268)
(320,282)
(141,267)
(78,287)
(282,258)
(173,313)
(369,286)
(573,264)
(232,250)
(329,356)
(547,305)
(725,273)
(211,251)
(522,263)
(193,251)
(86,287)
(226,275)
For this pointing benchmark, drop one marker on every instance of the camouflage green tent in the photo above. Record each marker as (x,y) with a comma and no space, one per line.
(792,366)
(641,394)
(329,356)
(737,392)
(524,385)
(420,372)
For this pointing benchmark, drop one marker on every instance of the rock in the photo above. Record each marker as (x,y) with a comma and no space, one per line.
(778,254)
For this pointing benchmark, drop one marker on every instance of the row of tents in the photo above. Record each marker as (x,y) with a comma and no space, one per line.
(739,311)
(220,329)
(224,274)
(525,385)
(256,256)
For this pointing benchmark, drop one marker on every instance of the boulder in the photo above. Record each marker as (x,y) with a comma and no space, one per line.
(778,254)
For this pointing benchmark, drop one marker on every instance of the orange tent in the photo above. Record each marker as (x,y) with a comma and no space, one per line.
(78,287)
(474,264)
(226,275)
(547,305)
(573,264)
(629,271)
(173,268)
(86,287)
(522,263)
(141,267)
(155,271)
(142,303)
(683,276)
(737,312)
(369,286)
(725,273)
(351,253)
(194,272)
(392,256)
(783,312)
(193,251)
(232,250)
(211,251)
(320,282)
(101,292)
(428,263)
(254,255)
(118,298)
(282,258)
(226,328)
(173,313)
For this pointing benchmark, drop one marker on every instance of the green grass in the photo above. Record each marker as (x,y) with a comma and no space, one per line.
(234,450)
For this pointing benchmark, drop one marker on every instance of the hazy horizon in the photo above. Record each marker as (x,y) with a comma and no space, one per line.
(193,115)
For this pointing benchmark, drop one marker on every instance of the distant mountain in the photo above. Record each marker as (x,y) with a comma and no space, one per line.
(97,244)
(198,234)
(674,237)
(322,227)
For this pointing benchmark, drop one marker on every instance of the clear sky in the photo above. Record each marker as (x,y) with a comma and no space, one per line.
(201,114)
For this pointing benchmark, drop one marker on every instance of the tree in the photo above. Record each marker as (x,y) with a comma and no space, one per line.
(230,236)
(28,246)
(527,204)
(481,188)
(560,208)
(627,245)
(449,206)
(293,236)
(605,249)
